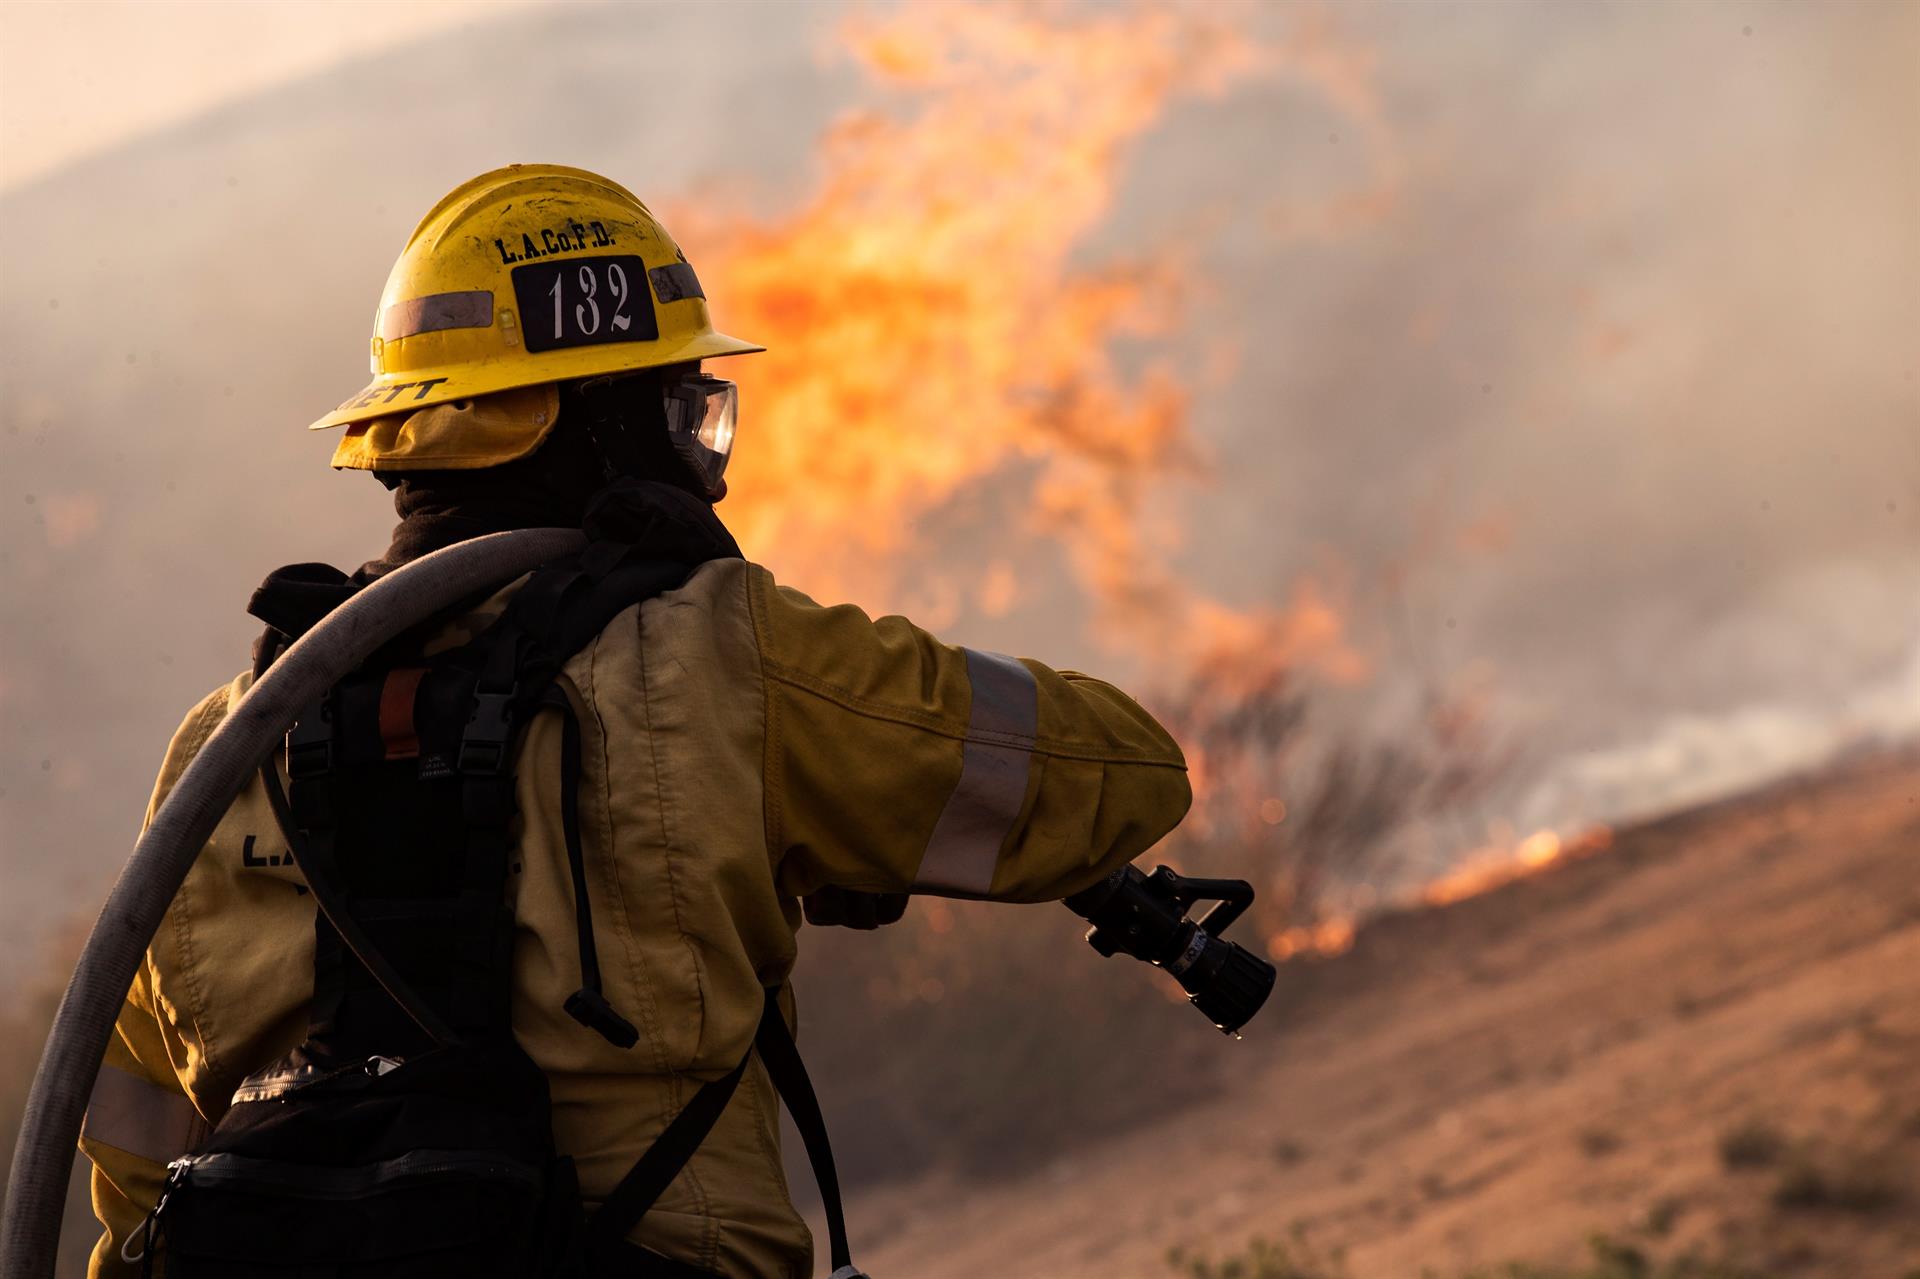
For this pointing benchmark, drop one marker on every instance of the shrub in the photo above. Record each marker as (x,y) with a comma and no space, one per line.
(1662,1215)
(1855,1185)
(1262,1259)
(1614,1260)
(1753,1144)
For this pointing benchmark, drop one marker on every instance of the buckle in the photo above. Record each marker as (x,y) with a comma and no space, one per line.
(483,743)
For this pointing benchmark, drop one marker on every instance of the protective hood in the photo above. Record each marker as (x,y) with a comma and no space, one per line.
(459,435)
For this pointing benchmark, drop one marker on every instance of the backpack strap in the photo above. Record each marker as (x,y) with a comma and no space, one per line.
(587,1005)
(655,1170)
(781,1056)
(293,600)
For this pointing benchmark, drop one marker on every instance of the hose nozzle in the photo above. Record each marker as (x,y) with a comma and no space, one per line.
(1145,916)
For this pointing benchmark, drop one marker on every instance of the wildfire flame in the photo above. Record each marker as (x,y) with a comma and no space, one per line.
(945,373)
(1494,866)
(937,355)
(1502,863)
(1325,939)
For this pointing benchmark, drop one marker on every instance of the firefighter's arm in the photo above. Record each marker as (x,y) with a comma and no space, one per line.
(898,763)
(138,1119)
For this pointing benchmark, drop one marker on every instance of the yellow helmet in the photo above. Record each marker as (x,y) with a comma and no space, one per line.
(531,274)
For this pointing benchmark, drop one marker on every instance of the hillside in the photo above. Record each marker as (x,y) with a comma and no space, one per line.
(1706,1039)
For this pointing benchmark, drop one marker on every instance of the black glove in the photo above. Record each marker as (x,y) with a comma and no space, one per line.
(848,908)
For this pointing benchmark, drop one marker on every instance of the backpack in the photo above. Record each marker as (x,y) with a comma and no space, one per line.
(409,1134)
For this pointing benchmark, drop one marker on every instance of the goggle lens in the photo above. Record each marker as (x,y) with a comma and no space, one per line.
(701,416)
(716,424)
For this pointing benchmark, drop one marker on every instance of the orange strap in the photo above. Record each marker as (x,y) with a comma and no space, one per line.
(396,712)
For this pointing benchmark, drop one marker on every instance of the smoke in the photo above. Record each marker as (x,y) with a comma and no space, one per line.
(1551,365)
(1688,758)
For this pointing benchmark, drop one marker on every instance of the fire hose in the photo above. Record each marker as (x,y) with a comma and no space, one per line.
(165,852)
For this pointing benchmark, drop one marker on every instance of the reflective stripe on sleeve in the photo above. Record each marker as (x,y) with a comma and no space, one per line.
(141,1118)
(998,754)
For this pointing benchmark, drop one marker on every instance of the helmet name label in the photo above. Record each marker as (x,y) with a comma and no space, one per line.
(391,391)
(572,238)
(584,302)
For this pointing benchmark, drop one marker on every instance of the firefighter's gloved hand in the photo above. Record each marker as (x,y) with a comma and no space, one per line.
(848,908)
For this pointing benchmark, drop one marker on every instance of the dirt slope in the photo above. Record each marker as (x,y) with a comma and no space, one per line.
(1708,1038)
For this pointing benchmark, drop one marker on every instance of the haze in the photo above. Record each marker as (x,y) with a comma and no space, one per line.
(80,78)
(1575,345)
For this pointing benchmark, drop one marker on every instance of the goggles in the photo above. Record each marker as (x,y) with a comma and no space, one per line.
(701,413)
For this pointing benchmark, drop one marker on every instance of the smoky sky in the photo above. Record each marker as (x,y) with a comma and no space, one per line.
(1585,368)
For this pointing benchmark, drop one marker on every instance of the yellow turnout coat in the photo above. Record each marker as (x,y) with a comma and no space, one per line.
(742,746)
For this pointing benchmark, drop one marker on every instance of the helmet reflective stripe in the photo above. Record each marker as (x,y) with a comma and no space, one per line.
(471,309)
(674,281)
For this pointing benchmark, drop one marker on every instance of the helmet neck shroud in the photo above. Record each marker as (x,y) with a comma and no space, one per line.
(609,428)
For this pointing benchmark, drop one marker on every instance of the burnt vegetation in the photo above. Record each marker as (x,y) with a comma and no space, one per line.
(1608,1258)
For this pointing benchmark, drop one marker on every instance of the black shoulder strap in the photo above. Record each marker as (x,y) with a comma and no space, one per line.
(294,599)
(789,1074)
(655,1170)
(587,1005)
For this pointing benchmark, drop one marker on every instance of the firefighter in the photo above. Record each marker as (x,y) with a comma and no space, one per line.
(741,748)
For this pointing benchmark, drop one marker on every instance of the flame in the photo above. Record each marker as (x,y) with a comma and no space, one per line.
(1323,940)
(1500,864)
(948,372)
(1494,866)
(939,356)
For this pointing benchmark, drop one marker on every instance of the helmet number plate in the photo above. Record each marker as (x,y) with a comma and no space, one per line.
(584,302)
